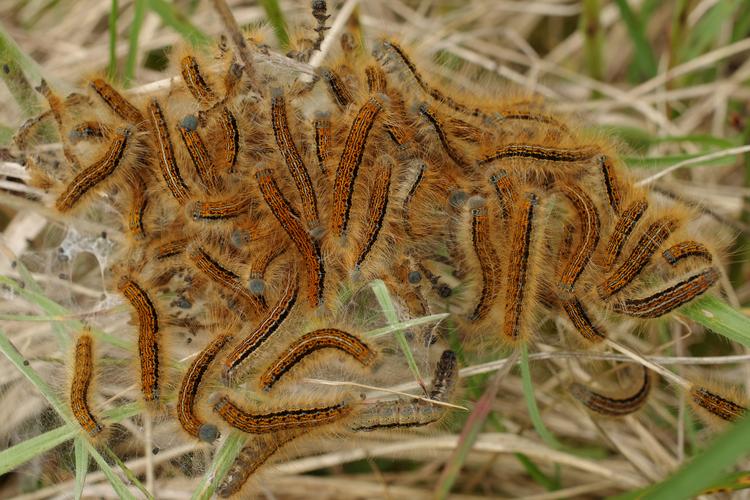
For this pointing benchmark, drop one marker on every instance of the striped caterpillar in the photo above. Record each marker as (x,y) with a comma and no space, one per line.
(275,200)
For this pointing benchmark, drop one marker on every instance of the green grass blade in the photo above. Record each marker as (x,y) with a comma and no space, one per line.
(471,430)
(129,474)
(741,247)
(669,160)
(41,300)
(677,39)
(219,466)
(113,14)
(640,139)
(82,465)
(593,39)
(708,29)
(115,480)
(175,20)
(405,325)
(276,18)
(733,482)
(21,453)
(697,139)
(59,314)
(17,70)
(528,394)
(705,469)
(474,390)
(468,437)
(389,311)
(741,28)
(645,60)
(719,317)
(139,12)
(533,470)
(17,359)
(6,134)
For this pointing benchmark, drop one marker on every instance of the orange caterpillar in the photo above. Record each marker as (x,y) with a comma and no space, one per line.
(276,205)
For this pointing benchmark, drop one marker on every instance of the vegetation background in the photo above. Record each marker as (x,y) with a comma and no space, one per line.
(668,79)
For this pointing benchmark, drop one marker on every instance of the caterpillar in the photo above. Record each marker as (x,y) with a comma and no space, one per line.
(83,371)
(274,203)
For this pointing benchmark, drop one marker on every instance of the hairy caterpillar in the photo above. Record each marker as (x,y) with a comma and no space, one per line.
(492,209)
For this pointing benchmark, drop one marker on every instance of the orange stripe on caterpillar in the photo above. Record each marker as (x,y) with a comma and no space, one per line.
(541,118)
(230,138)
(198,152)
(225,278)
(251,458)
(516,295)
(376,210)
(169,169)
(685,249)
(322,126)
(351,158)
(376,81)
(195,81)
(439,128)
(611,183)
(171,248)
(137,209)
(433,92)
(83,371)
(666,300)
(398,134)
(464,130)
(292,158)
(623,229)
(582,321)
(656,234)
(95,173)
(222,208)
(280,420)
(116,102)
(325,338)
(406,204)
(506,191)
(189,387)
(307,247)
(148,332)
(341,94)
(268,325)
(610,406)
(716,405)
(487,258)
(589,228)
(544,153)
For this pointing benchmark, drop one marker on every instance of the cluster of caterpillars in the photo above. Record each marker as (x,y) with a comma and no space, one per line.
(259,200)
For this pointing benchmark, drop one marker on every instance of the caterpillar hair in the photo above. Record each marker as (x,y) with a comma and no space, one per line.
(309,343)
(614,406)
(83,372)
